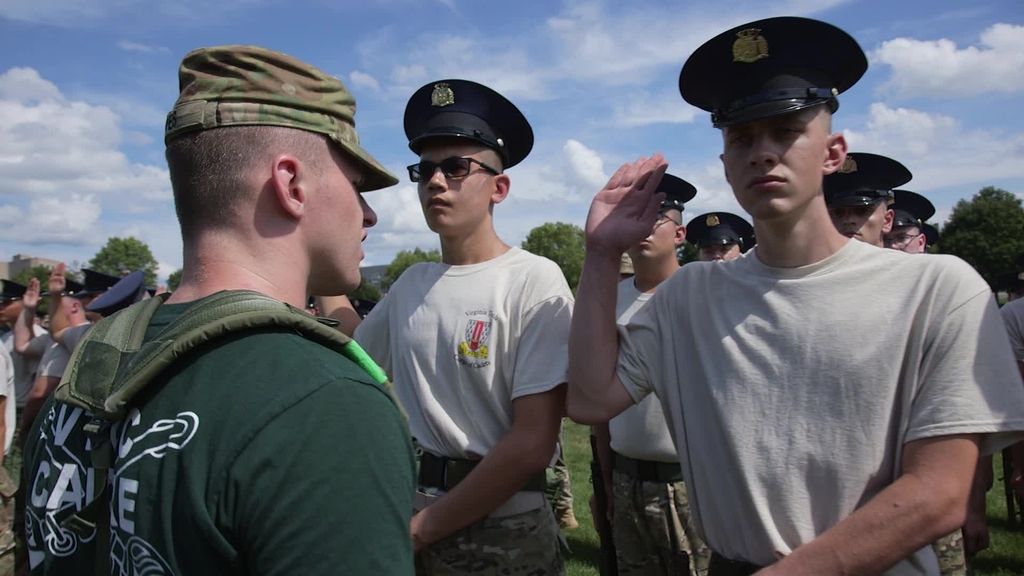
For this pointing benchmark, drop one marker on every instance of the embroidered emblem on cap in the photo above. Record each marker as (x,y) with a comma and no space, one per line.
(442,95)
(172,121)
(749,46)
(849,166)
(712,220)
(1020,276)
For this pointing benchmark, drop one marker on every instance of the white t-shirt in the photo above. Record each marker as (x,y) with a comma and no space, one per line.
(462,342)
(26,367)
(1013,317)
(791,392)
(641,431)
(7,390)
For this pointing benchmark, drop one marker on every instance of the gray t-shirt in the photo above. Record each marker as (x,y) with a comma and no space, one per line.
(791,392)
(1013,317)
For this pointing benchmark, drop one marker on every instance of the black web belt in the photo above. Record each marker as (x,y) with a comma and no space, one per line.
(648,470)
(445,473)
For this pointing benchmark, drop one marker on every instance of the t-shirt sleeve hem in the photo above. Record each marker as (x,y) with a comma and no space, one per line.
(541,388)
(996,435)
(635,391)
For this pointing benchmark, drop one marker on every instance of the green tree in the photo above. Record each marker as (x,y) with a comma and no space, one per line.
(987,231)
(366,291)
(561,243)
(403,260)
(41,273)
(122,254)
(174,280)
(687,253)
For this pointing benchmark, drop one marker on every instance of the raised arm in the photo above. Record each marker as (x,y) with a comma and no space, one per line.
(24,327)
(621,215)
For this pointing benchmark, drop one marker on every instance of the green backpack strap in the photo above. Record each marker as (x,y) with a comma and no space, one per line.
(118,365)
(112,365)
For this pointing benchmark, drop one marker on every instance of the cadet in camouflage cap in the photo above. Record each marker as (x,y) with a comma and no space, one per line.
(254,86)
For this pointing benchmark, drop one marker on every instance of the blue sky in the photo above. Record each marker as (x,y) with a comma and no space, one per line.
(85,85)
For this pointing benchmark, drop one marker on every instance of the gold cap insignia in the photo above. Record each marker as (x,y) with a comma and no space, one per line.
(712,220)
(849,166)
(442,95)
(1020,276)
(749,46)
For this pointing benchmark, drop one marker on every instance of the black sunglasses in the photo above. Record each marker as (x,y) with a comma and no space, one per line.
(454,167)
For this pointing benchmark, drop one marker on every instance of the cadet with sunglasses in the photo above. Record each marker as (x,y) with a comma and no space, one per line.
(477,346)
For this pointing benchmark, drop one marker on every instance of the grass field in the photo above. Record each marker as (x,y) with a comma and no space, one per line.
(1005,556)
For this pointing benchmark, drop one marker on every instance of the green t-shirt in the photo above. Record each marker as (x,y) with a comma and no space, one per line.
(260,453)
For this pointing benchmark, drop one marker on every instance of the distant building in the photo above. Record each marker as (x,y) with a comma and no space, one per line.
(374,274)
(22,262)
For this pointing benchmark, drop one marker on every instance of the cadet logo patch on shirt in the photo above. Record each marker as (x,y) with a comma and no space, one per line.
(474,350)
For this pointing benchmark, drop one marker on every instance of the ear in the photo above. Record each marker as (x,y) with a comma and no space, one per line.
(680,235)
(890,216)
(835,153)
(502,183)
(290,180)
(725,170)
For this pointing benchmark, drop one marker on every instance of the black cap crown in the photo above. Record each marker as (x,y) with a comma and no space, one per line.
(864,179)
(771,67)
(464,109)
(12,291)
(677,192)
(720,228)
(97,282)
(910,209)
(124,293)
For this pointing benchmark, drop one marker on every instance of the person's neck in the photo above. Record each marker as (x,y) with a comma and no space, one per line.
(216,264)
(799,239)
(648,274)
(480,245)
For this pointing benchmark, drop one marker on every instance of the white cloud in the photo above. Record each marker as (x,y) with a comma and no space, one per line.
(65,155)
(144,48)
(937,149)
(586,164)
(938,68)
(412,74)
(25,85)
(364,80)
(73,219)
(640,109)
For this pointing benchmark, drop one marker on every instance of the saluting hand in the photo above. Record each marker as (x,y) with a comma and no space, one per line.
(624,212)
(57,281)
(30,300)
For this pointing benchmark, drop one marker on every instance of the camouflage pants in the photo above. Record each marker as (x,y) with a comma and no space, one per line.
(653,530)
(559,490)
(7,541)
(527,543)
(950,550)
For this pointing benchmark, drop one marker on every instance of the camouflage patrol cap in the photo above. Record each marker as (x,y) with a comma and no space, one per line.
(253,86)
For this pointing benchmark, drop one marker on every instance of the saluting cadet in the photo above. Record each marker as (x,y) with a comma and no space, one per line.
(797,459)
(651,522)
(720,236)
(476,345)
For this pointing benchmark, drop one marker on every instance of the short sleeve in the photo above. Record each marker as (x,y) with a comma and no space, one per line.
(969,383)
(73,335)
(638,343)
(374,334)
(327,487)
(54,361)
(542,351)
(1013,319)
(38,345)
(6,373)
